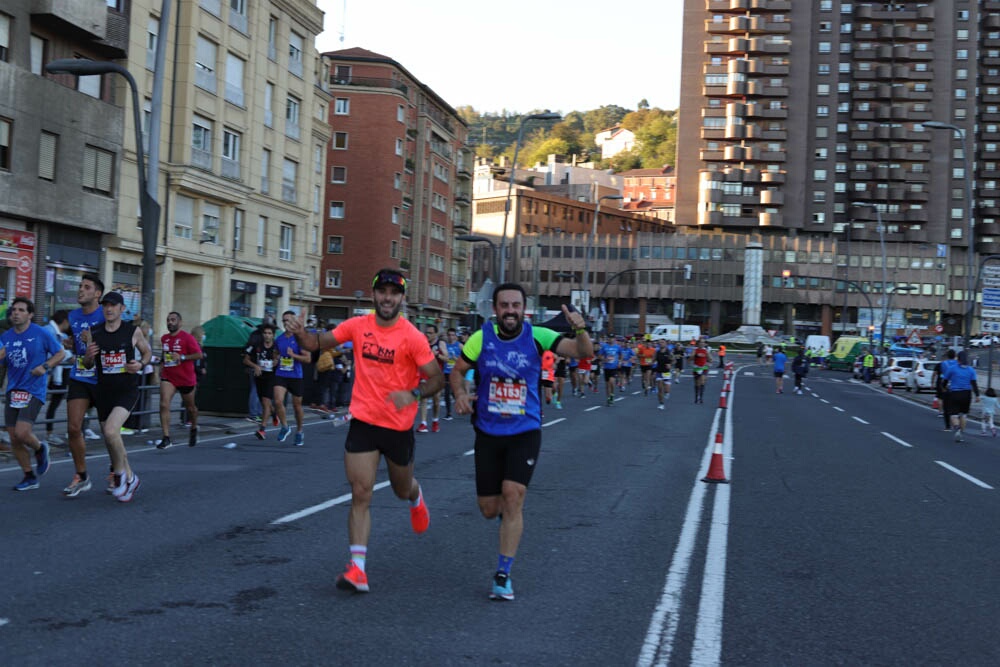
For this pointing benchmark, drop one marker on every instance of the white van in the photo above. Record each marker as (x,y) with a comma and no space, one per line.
(821,343)
(682,332)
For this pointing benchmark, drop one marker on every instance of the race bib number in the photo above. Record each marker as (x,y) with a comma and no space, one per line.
(665,377)
(171,359)
(287,363)
(82,371)
(113,363)
(267,365)
(19,399)
(508,397)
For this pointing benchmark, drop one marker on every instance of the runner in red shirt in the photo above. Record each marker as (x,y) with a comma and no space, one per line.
(180,351)
(700,360)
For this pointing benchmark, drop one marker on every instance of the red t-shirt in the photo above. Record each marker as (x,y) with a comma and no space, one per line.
(176,372)
(584,364)
(386,359)
(700,357)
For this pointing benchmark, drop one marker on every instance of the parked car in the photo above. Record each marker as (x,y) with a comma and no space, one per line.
(921,376)
(894,372)
(984,341)
(856,368)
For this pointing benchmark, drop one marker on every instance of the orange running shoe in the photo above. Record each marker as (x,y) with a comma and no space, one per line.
(420,517)
(353,579)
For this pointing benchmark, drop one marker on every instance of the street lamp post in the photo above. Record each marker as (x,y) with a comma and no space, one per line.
(357,300)
(885,275)
(548,115)
(970,297)
(585,286)
(148,206)
(476,238)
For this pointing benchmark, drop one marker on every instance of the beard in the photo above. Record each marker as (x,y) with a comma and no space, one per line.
(510,324)
(387,311)
(172,329)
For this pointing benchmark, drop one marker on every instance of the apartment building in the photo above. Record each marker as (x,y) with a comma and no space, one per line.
(242,139)
(60,148)
(808,121)
(398,189)
(650,191)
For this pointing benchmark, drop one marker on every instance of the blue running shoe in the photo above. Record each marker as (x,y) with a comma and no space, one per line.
(283,433)
(299,439)
(27,484)
(502,588)
(42,459)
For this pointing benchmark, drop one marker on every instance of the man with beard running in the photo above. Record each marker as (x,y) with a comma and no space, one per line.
(180,350)
(389,354)
(507,421)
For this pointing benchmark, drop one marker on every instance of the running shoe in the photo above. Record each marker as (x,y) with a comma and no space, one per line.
(127,431)
(164,443)
(90,435)
(255,420)
(958,435)
(435,426)
(42,459)
(259,433)
(661,406)
(502,587)
(283,433)
(610,401)
(77,486)
(274,421)
(128,490)
(54,439)
(300,439)
(420,517)
(558,405)
(353,579)
(423,428)
(193,437)
(27,484)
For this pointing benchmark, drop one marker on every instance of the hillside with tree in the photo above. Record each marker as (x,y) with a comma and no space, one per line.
(494,135)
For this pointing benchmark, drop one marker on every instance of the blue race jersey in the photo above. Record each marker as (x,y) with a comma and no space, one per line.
(25,352)
(610,354)
(779,362)
(78,322)
(288,366)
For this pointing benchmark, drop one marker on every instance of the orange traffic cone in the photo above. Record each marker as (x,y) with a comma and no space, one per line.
(722,400)
(716,471)
(936,404)
(889,389)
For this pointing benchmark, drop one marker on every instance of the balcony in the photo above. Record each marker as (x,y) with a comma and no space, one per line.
(230,169)
(370,82)
(201,158)
(288,193)
(292,130)
(462,199)
(238,21)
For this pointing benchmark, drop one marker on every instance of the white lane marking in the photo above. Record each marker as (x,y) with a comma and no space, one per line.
(620,398)
(596,407)
(966,475)
(749,373)
(814,394)
(838,409)
(659,642)
(895,439)
(859,419)
(553,422)
(469,453)
(295,516)
(835,380)
(4,621)
(823,400)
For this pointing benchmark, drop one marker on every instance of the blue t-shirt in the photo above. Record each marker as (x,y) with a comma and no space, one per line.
(610,354)
(454,352)
(288,366)
(25,352)
(959,377)
(628,354)
(78,322)
(779,362)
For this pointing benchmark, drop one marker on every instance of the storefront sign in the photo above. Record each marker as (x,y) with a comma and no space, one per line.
(17,251)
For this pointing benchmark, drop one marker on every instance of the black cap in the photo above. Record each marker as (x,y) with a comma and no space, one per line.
(114,298)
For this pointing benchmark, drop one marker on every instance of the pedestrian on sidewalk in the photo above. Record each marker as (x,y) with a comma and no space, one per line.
(989,407)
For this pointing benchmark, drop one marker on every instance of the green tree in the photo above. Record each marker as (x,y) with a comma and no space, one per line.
(602,118)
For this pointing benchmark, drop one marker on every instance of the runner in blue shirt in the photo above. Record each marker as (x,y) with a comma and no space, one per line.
(30,353)
(961,379)
(288,380)
(780,359)
(610,355)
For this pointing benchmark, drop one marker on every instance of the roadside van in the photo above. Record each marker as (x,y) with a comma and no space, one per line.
(820,343)
(684,332)
(845,350)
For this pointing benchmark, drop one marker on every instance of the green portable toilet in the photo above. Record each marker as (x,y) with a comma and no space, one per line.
(226,387)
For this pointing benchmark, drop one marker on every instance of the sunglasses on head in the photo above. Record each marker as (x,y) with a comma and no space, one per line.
(389,278)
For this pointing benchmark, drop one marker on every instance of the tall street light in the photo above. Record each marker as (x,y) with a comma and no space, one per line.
(149,208)
(970,297)
(885,279)
(476,238)
(585,282)
(547,115)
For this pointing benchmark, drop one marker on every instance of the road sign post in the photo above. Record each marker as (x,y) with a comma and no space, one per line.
(990,310)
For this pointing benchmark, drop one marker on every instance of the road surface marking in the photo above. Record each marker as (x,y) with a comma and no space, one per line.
(814,394)
(835,380)
(749,373)
(339,500)
(553,422)
(596,407)
(966,475)
(859,419)
(823,400)
(895,439)
(636,393)
(838,409)
(469,453)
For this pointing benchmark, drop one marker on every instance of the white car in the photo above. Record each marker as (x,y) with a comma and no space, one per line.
(895,371)
(921,376)
(984,341)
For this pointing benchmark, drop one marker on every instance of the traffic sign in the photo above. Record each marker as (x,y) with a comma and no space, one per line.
(914,339)
(939,328)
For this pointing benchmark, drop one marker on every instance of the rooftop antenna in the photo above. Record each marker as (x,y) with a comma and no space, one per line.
(343,23)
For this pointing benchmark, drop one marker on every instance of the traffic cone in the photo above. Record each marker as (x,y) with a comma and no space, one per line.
(936,404)
(716,471)
(722,400)
(889,389)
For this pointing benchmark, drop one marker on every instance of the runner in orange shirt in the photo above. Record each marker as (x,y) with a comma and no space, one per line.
(389,355)
(647,357)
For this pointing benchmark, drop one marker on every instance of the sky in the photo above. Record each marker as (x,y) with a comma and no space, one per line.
(522,55)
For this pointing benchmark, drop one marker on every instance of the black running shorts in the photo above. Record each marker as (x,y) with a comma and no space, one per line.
(395,446)
(509,457)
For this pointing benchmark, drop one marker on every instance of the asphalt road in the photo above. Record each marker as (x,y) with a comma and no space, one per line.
(834,544)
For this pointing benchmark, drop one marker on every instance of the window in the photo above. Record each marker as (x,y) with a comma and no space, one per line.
(962,54)
(183,216)
(823,89)
(285,244)
(201,143)
(234,79)
(317,198)
(37,54)
(342,106)
(337,210)
(397,181)
(230,154)
(340,141)
(152,37)
(272,39)
(268,104)
(261,235)
(395,215)
(238,217)
(289,177)
(401,113)
(209,223)
(334,245)
(342,74)
(238,15)
(399,146)
(265,170)
(89,85)
(292,107)
(4,36)
(333,279)
(47,144)
(338,174)
(824,47)
(204,64)
(4,141)
(819,175)
(962,35)
(314,239)
(98,170)
(295,53)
